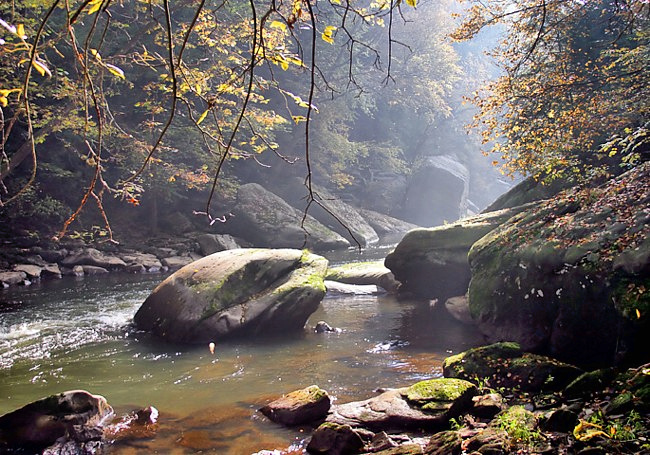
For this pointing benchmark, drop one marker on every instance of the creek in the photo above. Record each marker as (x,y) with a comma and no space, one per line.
(78,334)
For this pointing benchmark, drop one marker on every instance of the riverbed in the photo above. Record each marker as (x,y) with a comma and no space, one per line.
(77,333)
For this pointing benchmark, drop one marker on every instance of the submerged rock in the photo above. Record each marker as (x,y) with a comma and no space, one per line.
(74,417)
(299,407)
(234,292)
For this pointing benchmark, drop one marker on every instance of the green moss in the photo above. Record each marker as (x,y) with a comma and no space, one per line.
(632,298)
(520,424)
(442,389)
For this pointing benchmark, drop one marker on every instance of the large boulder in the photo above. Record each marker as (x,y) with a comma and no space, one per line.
(266,220)
(437,192)
(243,291)
(570,276)
(74,415)
(529,190)
(432,263)
(425,405)
(331,211)
(213,243)
(92,256)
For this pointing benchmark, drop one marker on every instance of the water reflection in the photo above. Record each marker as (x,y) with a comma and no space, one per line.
(77,334)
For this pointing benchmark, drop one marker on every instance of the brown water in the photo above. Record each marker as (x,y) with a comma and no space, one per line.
(77,334)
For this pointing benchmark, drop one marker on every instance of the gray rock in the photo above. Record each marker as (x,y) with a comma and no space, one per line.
(91,256)
(11,278)
(176,262)
(32,271)
(425,405)
(437,192)
(364,273)
(148,261)
(334,288)
(299,407)
(213,243)
(444,443)
(266,220)
(385,225)
(56,418)
(52,270)
(458,307)
(432,263)
(488,405)
(93,270)
(350,224)
(244,291)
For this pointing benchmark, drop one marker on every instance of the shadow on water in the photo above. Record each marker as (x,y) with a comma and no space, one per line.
(72,334)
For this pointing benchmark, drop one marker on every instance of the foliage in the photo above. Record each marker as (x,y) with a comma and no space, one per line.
(575,77)
(520,425)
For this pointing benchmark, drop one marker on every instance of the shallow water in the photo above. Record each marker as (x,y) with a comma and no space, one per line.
(77,334)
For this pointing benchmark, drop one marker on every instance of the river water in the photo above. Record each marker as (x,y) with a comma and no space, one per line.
(78,334)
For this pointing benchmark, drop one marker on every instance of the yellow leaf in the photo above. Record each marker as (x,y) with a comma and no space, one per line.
(94,6)
(20,31)
(41,68)
(115,71)
(3,101)
(328,34)
(298,118)
(411,3)
(279,25)
(203,116)
(638,314)
(284,64)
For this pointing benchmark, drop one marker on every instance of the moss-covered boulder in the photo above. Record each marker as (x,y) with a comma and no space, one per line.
(444,443)
(299,407)
(371,272)
(432,263)
(570,276)
(265,219)
(74,416)
(424,405)
(506,365)
(235,292)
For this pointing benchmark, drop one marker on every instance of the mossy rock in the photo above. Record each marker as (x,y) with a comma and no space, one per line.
(441,395)
(299,407)
(258,292)
(505,365)
(332,438)
(590,382)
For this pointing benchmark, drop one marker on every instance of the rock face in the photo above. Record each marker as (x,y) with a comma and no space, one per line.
(432,263)
(356,227)
(570,276)
(70,415)
(299,407)
(243,291)
(529,190)
(437,192)
(266,220)
(424,405)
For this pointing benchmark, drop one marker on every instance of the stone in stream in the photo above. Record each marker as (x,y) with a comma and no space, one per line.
(299,407)
(11,278)
(235,292)
(425,405)
(75,416)
(334,439)
(94,257)
(364,273)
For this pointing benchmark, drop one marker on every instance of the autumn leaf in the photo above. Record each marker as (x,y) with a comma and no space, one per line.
(203,116)
(114,70)
(94,6)
(41,68)
(278,25)
(328,34)
(411,3)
